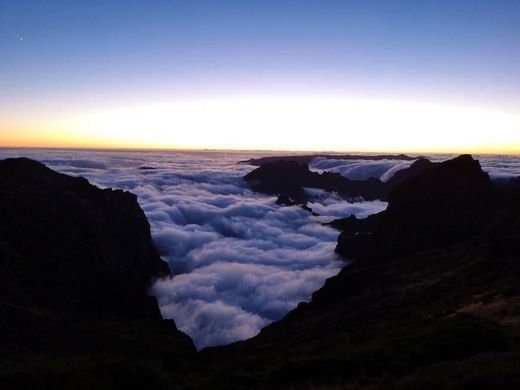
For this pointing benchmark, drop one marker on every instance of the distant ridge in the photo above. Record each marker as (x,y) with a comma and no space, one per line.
(289,178)
(430,298)
(305,159)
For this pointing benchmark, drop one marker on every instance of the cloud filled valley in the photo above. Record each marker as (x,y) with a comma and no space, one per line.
(239,260)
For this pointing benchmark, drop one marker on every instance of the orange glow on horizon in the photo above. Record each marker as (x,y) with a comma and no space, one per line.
(278,124)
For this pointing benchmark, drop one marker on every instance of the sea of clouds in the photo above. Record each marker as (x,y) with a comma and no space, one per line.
(497,166)
(239,261)
(359,169)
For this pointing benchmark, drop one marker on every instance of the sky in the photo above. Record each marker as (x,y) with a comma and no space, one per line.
(283,75)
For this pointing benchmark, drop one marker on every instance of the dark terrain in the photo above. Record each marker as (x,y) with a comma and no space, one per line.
(75,265)
(431,298)
(287,178)
(306,158)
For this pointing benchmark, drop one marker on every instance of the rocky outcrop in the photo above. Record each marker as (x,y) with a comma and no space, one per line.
(447,203)
(69,245)
(430,300)
(76,262)
(284,200)
(305,159)
(418,167)
(288,177)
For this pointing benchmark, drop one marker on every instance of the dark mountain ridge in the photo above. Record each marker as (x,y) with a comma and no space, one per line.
(430,299)
(67,233)
(446,203)
(306,158)
(288,179)
(75,265)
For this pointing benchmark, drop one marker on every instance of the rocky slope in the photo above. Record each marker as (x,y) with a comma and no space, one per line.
(75,265)
(288,177)
(305,159)
(446,203)
(430,300)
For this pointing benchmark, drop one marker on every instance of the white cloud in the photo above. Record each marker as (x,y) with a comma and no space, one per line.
(239,260)
(359,169)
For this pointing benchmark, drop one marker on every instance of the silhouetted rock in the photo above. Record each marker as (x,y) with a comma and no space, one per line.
(285,178)
(418,167)
(430,300)
(75,265)
(305,159)
(73,246)
(284,200)
(443,313)
(306,207)
(288,178)
(447,203)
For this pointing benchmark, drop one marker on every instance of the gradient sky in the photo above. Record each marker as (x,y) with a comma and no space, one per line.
(366,75)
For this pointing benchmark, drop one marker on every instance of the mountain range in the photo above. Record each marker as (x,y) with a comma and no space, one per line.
(430,297)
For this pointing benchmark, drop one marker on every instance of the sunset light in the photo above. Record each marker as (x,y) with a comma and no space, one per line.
(260,194)
(290,123)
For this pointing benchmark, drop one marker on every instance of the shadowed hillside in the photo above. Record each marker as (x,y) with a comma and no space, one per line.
(288,178)
(305,159)
(76,262)
(431,298)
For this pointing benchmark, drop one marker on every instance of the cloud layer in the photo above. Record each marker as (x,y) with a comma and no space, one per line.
(239,260)
(497,166)
(359,169)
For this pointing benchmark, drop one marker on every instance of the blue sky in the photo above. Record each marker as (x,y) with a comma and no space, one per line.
(61,55)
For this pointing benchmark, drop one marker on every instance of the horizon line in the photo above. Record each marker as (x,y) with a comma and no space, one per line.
(305,151)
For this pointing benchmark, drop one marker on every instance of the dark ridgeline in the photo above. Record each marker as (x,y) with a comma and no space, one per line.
(431,298)
(306,159)
(75,265)
(447,203)
(60,234)
(287,178)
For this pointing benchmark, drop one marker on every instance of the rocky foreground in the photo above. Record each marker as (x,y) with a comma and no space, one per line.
(431,298)
(75,265)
